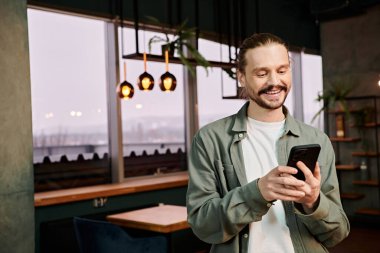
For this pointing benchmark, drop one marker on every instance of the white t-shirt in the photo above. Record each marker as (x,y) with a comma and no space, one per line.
(271,234)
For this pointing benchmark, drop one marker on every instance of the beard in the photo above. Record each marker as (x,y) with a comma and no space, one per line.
(265,103)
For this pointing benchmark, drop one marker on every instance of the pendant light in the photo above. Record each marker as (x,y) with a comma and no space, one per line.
(168,81)
(145,80)
(125,89)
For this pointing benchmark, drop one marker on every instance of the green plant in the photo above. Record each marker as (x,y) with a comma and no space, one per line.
(181,39)
(335,95)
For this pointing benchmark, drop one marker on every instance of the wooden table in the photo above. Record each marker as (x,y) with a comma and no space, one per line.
(162,219)
(168,220)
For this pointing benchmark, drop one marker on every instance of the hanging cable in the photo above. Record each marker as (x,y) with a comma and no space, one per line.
(136,17)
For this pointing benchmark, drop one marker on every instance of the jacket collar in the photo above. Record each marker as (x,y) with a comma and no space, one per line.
(240,121)
(291,125)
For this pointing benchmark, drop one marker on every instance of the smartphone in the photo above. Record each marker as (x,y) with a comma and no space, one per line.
(308,154)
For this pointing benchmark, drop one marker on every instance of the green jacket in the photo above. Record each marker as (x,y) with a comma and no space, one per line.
(221,203)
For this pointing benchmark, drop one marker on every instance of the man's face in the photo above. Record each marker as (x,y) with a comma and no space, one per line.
(267,76)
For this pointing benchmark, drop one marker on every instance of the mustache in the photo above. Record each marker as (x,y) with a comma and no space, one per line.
(272,86)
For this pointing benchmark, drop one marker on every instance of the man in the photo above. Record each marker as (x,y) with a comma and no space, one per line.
(241,197)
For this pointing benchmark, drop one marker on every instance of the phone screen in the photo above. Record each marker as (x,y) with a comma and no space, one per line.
(308,154)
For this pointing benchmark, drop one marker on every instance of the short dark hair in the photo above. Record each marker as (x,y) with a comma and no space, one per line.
(256,40)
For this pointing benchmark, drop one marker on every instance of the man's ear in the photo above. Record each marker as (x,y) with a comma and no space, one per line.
(241,78)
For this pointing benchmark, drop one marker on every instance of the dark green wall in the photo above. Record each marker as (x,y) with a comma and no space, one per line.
(16,171)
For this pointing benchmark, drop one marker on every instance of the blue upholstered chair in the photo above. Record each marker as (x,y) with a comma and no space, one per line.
(96,236)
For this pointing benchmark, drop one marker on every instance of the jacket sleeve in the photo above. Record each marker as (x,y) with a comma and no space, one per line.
(215,214)
(328,223)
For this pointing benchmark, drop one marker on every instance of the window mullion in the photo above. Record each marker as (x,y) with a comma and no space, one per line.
(114,107)
(191,104)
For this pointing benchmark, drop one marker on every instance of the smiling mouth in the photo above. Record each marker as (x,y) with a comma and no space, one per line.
(273,89)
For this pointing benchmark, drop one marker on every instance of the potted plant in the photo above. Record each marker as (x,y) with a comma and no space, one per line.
(334,97)
(181,39)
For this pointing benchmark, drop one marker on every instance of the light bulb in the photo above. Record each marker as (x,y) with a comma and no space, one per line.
(168,83)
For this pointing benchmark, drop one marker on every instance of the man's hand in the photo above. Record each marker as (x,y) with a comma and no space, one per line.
(278,184)
(311,188)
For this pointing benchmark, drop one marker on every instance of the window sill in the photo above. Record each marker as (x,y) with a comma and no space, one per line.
(129,186)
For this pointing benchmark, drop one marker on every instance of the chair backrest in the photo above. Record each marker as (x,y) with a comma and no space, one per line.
(95,236)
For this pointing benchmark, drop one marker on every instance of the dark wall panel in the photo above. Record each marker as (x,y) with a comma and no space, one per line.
(289,19)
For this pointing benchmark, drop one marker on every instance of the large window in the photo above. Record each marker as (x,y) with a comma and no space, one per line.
(69,106)
(69,101)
